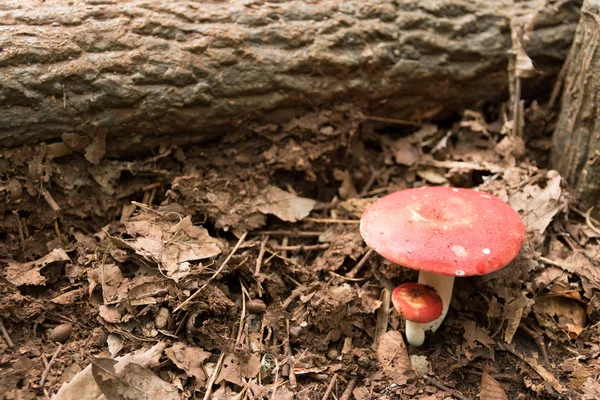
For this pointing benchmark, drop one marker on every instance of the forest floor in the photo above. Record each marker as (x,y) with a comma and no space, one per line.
(238,265)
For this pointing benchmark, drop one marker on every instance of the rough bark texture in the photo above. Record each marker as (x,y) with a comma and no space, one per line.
(188,70)
(576,152)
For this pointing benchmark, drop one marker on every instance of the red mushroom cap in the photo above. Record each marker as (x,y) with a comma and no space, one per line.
(443,230)
(417,303)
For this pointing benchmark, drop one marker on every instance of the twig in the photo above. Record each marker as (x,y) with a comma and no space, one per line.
(560,79)
(562,266)
(290,357)
(217,272)
(356,269)
(578,211)
(291,233)
(5,334)
(329,387)
(383,316)
(332,220)
(370,182)
(284,243)
(20,228)
(238,339)
(502,377)
(47,370)
(588,221)
(302,247)
(50,200)
(539,340)
(452,392)
(539,369)
(213,377)
(392,120)
(261,255)
(348,392)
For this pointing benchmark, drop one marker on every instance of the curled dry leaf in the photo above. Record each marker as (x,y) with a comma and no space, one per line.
(235,367)
(131,381)
(28,273)
(173,246)
(284,205)
(538,205)
(83,386)
(491,388)
(189,359)
(393,356)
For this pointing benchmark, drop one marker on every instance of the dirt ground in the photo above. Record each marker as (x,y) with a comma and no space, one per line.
(238,266)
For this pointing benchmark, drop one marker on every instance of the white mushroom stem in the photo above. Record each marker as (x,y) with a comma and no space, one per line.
(443,285)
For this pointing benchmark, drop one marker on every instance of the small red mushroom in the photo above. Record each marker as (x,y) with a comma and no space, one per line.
(443,232)
(417,303)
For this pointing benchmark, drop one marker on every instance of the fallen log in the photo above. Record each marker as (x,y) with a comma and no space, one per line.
(185,71)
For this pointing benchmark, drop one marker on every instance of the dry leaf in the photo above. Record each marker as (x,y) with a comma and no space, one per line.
(393,356)
(284,205)
(131,381)
(28,273)
(560,314)
(405,152)
(235,368)
(513,312)
(170,245)
(491,388)
(115,344)
(521,29)
(84,387)
(475,334)
(431,176)
(538,206)
(189,359)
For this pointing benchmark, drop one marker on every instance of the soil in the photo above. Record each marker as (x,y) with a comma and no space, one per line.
(237,265)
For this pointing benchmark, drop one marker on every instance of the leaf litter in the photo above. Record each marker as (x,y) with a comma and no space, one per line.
(116,247)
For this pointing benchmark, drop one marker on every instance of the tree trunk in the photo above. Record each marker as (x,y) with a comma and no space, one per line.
(186,70)
(576,144)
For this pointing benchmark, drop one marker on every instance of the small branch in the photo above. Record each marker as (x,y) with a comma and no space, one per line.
(392,120)
(47,370)
(261,255)
(434,382)
(213,378)
(50,200)
(290,357)
(539,340)
(348,392)
(217,272)
(291,233)
(356,269)
(332,220)
(5,334)
(329,387)
(301,247)
(588,221)
(383,316)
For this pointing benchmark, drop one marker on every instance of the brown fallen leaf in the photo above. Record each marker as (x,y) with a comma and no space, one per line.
(559,313)
(235,368)
(284,205)
(130,382)
(28,273)
(189,359)
(491,388)
(393,356)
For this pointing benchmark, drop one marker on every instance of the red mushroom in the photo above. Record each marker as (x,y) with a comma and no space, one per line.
(417,303)
(443,232)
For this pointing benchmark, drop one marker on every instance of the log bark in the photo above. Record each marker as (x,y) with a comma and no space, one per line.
(188,70)
(576,141)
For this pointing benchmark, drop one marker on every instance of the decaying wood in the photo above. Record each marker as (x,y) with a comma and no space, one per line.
(576,145)
(186,70)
